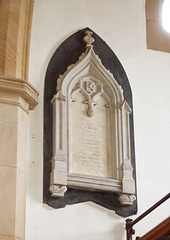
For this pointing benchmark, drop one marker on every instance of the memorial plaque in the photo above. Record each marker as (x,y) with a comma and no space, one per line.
(91,146)
(91,130)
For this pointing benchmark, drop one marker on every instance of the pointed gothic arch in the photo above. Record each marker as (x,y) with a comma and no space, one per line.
(89,69)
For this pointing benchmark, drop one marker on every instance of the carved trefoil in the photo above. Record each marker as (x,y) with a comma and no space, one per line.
(91,132)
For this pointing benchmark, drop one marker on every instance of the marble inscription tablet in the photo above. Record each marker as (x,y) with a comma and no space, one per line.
(90,138)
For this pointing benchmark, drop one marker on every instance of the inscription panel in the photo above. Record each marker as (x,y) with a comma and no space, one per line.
(91,145)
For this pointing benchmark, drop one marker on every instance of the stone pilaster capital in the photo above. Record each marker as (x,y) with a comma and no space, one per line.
(18,92)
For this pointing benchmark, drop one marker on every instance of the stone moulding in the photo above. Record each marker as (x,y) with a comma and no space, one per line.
(77,77)
(18,92)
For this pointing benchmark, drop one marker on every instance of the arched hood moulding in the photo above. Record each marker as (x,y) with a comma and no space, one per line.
(67,54)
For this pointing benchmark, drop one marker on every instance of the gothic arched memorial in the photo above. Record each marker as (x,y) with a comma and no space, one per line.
(91,132)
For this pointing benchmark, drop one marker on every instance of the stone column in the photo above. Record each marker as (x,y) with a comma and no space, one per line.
(15,28)
(17,98)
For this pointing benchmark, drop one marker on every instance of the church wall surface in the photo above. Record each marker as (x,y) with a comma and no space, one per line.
(122,25)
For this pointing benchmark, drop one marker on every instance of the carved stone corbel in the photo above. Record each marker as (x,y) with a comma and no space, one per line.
(127,199)
(57,191)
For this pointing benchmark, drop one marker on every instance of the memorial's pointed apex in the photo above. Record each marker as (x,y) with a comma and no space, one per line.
(88,38)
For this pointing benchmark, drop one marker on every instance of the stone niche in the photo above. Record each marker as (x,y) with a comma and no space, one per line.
(91,134)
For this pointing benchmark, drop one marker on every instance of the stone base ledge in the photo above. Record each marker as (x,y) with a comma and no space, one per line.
(18,92)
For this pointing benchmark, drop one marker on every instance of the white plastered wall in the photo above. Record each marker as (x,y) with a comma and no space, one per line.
(121,23)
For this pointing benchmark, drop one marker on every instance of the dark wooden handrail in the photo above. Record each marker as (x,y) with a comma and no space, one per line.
(161,231)
(130,223)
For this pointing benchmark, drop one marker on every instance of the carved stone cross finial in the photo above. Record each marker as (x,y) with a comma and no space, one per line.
(88,38)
